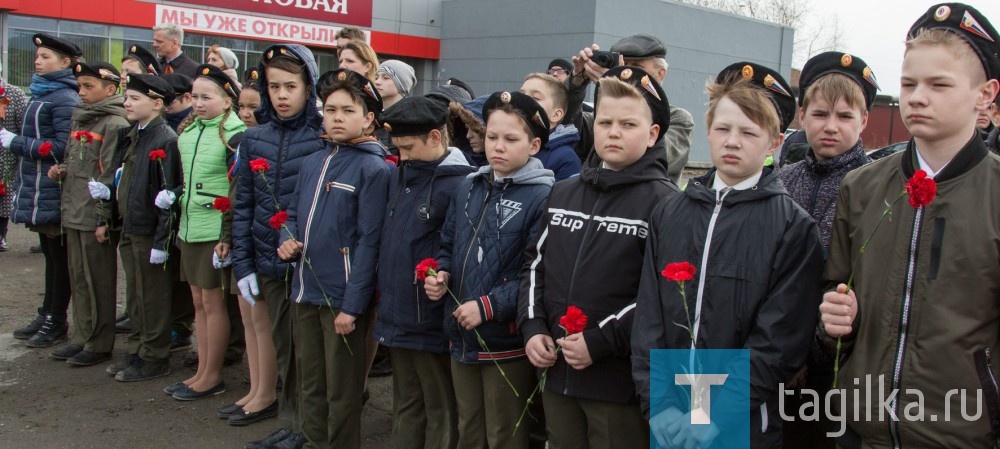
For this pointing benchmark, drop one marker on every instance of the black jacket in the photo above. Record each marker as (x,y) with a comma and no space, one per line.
(182,64)
(589,254)
(761,290)
(993,141)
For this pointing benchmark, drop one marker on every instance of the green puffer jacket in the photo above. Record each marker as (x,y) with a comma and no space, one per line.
(205,160)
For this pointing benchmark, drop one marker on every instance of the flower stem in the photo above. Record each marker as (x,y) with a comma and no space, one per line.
(326,298)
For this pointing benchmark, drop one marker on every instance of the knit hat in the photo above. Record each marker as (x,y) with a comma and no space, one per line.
(228,57)
(401,73)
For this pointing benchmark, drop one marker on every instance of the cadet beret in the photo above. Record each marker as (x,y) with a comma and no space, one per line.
(525,106)
(650,89)
(219,77)
(279,51)
(829,62)
(414,116)
(151,86)
(146,59)
(770,82)
(640,46)
(969,24)
(59,45)
(180,83)
(357,82)
(101,70)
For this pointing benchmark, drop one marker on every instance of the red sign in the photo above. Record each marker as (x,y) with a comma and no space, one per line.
(348,12)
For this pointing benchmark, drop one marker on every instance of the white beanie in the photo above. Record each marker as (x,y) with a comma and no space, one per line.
(228,57)
(402,74)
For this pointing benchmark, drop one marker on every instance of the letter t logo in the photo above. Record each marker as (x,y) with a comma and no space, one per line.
(701,393)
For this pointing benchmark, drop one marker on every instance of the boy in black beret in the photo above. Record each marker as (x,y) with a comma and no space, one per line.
(93,263)
(492,216)
(178,109)
(409,323)
(922,312)
(141,61)
(589,255)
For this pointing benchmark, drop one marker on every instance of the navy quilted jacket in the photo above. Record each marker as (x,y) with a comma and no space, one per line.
(46,119)
(284,143)
(488,226)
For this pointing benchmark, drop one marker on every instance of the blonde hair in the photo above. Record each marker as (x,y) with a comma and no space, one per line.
(752,101)
(366,54)
(833,87)
(612,87)
(557,90)
(955,45)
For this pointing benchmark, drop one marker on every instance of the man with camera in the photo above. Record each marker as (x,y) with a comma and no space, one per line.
(640,50)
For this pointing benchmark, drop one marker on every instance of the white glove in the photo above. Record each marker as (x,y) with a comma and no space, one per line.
(223,263)
(157,257)
(165,199)
(6,137)
(98,191)
(248,287)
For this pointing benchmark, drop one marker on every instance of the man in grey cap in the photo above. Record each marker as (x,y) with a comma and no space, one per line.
(646,52)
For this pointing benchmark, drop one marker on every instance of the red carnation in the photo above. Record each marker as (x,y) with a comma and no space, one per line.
(678,272)
(574,321)
(157,155)
(279,219)
(2,91)
(427,267)
(3,189)
(921,189)
(85,136)
(222,204)
(45,149)
(259,165)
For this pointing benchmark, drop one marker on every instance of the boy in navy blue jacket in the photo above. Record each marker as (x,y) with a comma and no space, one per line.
(333,229)
(409,323)
(492,216)
(557,154)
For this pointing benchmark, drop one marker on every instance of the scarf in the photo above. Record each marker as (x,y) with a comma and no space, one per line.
(42,85)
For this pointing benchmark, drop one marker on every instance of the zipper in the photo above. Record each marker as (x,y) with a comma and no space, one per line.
(904,322)
(572,279)
(989,365)
(277,168)
(719,196)
(346,251)
(812,200)
(465,260)
(312,211)
(190,183)
(38,169)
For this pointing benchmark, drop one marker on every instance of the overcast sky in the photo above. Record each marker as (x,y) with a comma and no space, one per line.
(876,29)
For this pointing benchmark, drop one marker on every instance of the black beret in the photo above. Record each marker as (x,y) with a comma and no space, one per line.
(278,51)
(460,83)
(561,63)
(770,81)
(357,82)
(219,77)
(151,86)
(146,59)
(100,70)
(59,45)
(829,62)
(179,82)
(529,110)
(969,24)
(414,116)
(447,93)
(640,46)
(650,89)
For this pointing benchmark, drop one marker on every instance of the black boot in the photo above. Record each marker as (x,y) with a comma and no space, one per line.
(52,332)
(32,328)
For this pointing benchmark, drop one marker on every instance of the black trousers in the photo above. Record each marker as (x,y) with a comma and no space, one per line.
(57,285)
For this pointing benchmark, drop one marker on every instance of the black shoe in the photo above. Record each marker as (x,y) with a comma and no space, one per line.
(178,343)
(188,394)
(124,326)
(66,352)
(293,441)
(37,249)
(123,364)
(381,368)
(87,358)
(246,418)
(144,370)
(230,409)
(275,436)
(174,387)
(32,328)
(52,332)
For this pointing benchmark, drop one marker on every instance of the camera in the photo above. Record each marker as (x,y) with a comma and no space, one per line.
(606,59)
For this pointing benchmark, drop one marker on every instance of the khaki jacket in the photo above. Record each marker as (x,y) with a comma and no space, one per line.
(90,154)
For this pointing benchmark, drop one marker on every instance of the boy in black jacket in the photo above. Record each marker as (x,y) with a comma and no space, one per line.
(409,323)
(589,255)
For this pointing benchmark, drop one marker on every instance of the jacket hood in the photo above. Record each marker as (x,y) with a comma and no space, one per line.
(563,135)
(113,105)
(652,165)
(452,164)
(532,173)
(366,146)
(310,115)
(64,76)
(769,185)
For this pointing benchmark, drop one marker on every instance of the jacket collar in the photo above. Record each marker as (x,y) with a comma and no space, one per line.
(971,154)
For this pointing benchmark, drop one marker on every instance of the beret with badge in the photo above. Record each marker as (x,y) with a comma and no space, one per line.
(526,107)
(357,82)
(767,80)
(969,24)
(846,64)
(640,46)
(180,83)
(60,46)
(151,86)
(414,116)
(651,91)
(99,70)
(219,77)
(280,51)
(146,59)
